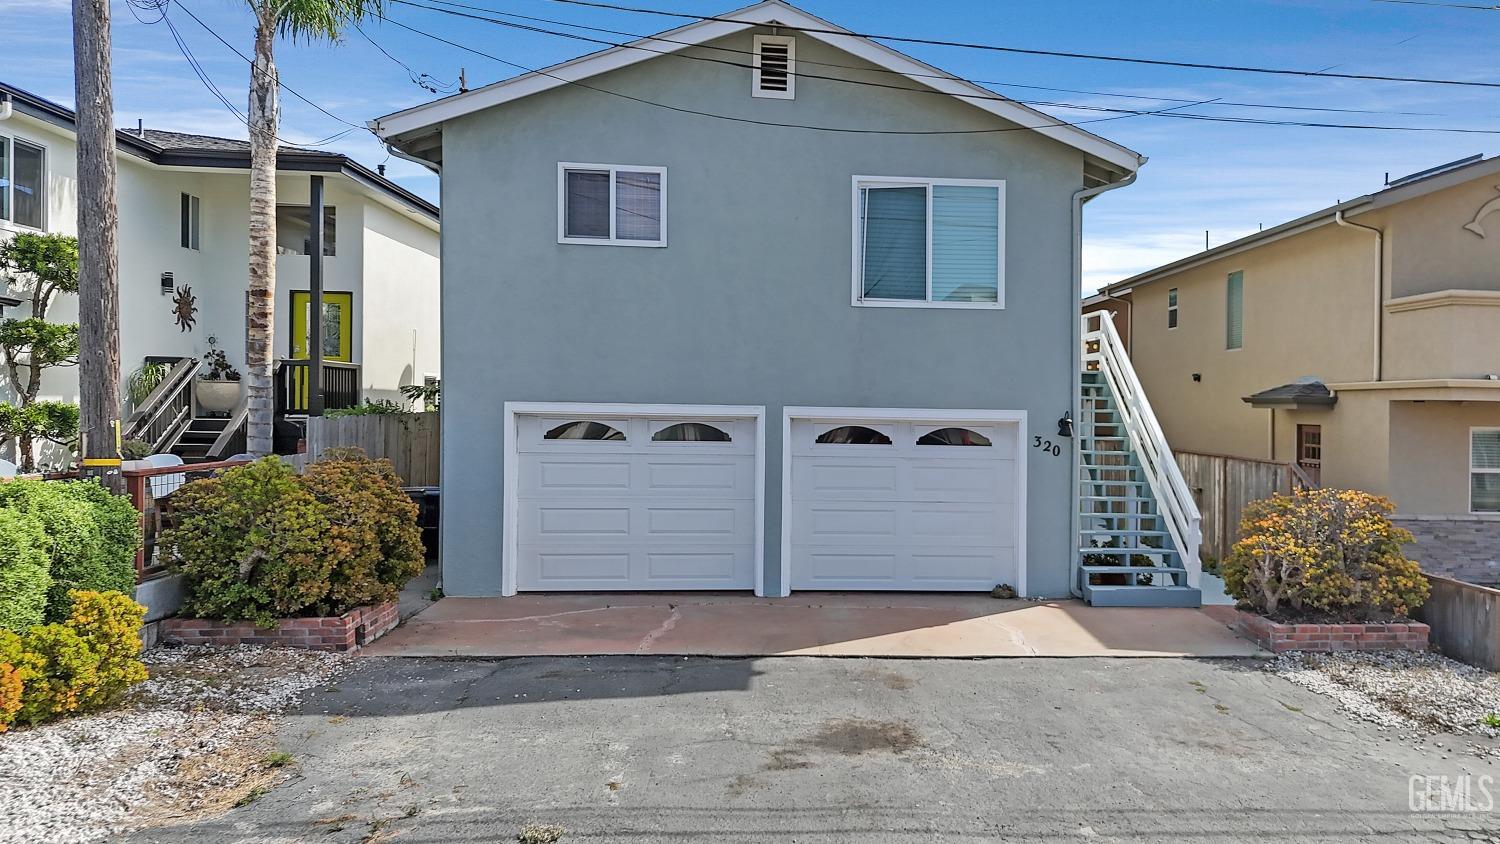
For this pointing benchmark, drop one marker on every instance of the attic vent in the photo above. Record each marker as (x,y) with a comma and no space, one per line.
(775,66)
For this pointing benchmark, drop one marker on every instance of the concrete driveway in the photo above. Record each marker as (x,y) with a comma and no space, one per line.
(662,749)
(890,624)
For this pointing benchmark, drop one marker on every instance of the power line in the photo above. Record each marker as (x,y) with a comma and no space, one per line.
(982,82)
(1473,6)
(1053,122)
(425,81)
(1120,112)
(936,42)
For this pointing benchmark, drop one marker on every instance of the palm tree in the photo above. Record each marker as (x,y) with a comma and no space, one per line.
(294,19)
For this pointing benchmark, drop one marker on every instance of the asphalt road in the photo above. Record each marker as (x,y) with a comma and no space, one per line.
(658,749)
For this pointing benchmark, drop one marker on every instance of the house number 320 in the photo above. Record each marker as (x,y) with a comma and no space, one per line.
(1048,446)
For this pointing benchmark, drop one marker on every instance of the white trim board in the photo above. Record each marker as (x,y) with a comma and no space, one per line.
(885,414)
(509,552)
(768,13)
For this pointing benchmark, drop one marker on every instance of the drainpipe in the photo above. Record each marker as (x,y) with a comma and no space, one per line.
(5,107)
(436,168)
(1075,521)
(1376,365)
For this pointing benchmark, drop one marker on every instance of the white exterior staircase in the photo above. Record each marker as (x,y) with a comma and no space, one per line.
(1139,528)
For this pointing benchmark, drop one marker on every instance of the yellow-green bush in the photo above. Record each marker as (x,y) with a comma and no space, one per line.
(79,665)
(260,542)
(373,540)
(24,576)
(1325,552)
(91,535)
(251,544)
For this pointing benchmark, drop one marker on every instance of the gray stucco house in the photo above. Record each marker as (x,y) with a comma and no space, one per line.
(759,304)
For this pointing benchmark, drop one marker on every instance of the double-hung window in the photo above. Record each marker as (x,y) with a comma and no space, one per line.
(191,222)
(1172,308)
(1484,470)
(609,204)
(23,183)
(929,242)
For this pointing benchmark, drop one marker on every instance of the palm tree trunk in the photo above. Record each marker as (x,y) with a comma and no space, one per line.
(260,306)
(98,238)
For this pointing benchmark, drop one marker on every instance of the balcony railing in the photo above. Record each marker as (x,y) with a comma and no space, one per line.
(340,386)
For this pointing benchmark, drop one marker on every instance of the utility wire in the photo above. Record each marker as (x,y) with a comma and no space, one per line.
(885,70)
(1473,6)
(425,81)
(1052,122)
(936,42)
(1121,112)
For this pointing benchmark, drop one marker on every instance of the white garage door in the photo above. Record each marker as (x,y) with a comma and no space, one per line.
(635,503)
(904,505)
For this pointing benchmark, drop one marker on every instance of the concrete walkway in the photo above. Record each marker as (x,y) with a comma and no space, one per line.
(806,624)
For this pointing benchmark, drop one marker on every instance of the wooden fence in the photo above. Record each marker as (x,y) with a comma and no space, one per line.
(408,440)
(1222,486)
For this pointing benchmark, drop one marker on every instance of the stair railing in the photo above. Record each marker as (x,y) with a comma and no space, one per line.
(231,440)
(1103,352)
(165,413)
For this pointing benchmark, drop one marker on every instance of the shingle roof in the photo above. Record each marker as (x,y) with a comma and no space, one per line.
(185,142)
(1298,393)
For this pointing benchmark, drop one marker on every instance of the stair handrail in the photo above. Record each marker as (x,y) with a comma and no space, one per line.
(179,379)
(236,426)
(1180,512)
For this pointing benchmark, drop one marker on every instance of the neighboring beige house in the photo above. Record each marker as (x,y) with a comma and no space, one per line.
(184,209)
(1361,342)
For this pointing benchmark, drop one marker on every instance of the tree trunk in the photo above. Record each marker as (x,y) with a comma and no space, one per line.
(98,233)
(260,305)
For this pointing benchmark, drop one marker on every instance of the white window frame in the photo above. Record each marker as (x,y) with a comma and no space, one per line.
(194,221)
(1469,477)
(1227,278)
(1174,313)
(10,162)
(856,289)
(791,68)
(562,203)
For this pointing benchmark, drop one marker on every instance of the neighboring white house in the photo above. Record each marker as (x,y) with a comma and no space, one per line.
(184,207)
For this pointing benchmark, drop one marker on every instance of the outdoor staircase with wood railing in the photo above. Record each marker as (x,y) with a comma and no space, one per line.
(1139,526)
(166,422)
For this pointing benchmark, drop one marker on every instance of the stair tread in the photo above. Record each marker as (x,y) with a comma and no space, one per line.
(1133,569)
(1100,549)
(1132,532)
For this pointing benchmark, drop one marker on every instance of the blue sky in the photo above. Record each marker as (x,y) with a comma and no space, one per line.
(1226,178)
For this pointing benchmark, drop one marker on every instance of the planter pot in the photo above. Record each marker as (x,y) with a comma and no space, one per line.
(217,396)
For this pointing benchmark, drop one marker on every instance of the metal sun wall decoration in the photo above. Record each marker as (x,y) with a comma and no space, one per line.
(184,305)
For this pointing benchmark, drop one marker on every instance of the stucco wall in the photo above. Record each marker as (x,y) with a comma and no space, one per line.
(1430,248)
(400,337)
(1308,302)
(750,302)
(1430,453)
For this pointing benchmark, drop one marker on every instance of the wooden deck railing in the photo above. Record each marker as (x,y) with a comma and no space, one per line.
(151,491)
(340,386)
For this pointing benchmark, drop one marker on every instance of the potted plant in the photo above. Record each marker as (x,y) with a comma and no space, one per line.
(218,387)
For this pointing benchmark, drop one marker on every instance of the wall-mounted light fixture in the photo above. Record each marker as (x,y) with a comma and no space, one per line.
(168,285)
(1065,425)
(1197,377)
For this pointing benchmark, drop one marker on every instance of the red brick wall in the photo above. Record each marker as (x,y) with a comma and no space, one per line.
(1277,637)
(346,632)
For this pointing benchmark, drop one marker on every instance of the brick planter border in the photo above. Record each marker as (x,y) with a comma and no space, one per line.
(1277,637)
(343,633)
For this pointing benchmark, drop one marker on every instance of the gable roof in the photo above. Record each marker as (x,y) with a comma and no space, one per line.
(1401,190)
(403,127)
(180,149)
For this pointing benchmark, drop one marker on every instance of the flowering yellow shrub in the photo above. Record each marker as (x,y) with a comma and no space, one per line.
(79,665)
(1324,551)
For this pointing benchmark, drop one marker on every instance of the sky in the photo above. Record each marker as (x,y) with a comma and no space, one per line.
(1228,179)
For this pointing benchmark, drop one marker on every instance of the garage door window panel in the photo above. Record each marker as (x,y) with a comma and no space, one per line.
(853,435)
(692,432)
(585,430)
(954,437)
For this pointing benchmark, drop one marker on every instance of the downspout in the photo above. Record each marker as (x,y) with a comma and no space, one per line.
(1377,363)
(1075,519)
(433,166)
(1129,317)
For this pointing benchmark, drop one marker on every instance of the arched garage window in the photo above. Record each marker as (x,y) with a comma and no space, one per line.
(584,430)
(699,432)
(853,435)
(953,436)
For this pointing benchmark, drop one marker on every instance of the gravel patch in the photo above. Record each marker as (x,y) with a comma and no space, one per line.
(192,740)
(1413,695)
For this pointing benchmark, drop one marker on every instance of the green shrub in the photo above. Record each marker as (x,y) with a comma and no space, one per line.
(91,536)
(369,408)
(24,577)
(251,544)
(80,665)
(1326,552)
(373,540)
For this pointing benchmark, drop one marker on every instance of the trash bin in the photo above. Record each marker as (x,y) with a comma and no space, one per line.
(429,507)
